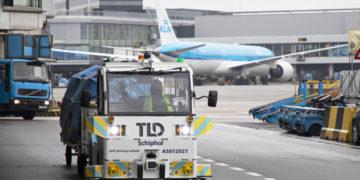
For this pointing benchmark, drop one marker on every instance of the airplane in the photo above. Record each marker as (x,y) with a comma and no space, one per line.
(215,58)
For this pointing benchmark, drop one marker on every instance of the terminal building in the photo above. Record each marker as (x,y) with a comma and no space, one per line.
(89,25)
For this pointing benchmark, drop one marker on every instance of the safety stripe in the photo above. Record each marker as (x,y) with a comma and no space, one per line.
(335,130)
(179,165)
(101,121)
(93,171)
(99,127)
(204,170)
(338,123)
(91,128)
(347,124)
(178,168)
(89,172)
(332,121)
(96,125)
(198,121)
(122,169)
(202,125)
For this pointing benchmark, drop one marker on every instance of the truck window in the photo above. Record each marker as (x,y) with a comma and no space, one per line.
(151,93)
(100,93)
(7,78)
(30,72)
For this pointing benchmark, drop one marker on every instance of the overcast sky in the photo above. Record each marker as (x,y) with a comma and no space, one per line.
(257,5)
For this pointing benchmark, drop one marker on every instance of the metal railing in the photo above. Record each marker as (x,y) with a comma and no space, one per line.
(119,14)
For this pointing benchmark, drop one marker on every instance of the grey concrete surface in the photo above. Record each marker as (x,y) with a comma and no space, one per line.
(238,147)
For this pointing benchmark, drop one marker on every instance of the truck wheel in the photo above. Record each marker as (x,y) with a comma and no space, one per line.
(81,163)
(314,130)
(355,132)
(28,115)
(68,155)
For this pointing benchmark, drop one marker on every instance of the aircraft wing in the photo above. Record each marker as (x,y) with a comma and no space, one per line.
(175,52)
(127,49)
(272,60)
(96,54)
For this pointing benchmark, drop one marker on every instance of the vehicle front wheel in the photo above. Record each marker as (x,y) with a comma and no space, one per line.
(355,132)
(68,155)
(81,163)
(28,115)
(314,130)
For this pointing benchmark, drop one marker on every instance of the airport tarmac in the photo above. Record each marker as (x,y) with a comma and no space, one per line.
(238,146)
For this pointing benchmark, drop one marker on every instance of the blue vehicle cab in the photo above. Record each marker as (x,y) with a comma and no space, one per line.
(310,121)
(24,76)
(289,114)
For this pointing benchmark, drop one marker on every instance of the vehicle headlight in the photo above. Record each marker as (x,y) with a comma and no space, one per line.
(115,130)
(16,101)
(183,130)
(46,102)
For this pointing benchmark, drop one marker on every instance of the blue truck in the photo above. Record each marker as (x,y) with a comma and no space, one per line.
(24,76)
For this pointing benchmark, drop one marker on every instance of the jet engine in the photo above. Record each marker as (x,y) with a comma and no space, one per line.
(283,71)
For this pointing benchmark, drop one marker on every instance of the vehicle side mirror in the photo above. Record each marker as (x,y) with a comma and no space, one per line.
(2,71)
(85,98)
(212,99)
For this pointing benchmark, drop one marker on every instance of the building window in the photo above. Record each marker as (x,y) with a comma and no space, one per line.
(23,3)
(84,31)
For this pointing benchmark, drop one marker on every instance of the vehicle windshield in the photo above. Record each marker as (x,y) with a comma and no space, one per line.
(30,72)
(149,93)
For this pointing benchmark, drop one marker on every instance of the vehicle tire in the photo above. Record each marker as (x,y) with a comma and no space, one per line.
(355,132)
(314,130)
(81,163)
(68,156)
(28,115)
(162,171)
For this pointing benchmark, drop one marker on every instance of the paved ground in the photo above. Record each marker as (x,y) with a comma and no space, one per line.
(238,147)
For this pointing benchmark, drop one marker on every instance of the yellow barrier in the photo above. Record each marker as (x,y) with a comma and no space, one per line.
(338,123)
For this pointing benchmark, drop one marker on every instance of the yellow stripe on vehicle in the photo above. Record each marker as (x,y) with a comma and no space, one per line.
(204,170)
(202,125)
(118,169)
(182,168)
(102,121)
(93,171)
(94,128)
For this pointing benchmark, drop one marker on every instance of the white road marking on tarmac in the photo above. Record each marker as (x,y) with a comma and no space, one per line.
(254,174)
(56,118)
(270,179)
(222,164)
(208,160)
(237,169)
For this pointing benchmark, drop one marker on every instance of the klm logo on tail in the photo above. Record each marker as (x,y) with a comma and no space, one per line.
(165,28)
